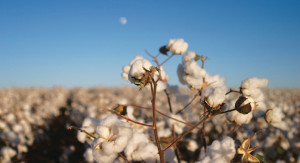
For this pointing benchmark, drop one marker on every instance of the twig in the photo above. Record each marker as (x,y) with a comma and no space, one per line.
(167,59)
(161,153)
(188,124)
(234,129)
(81,130)
(154,57)
(195,96)
(175,148)
(231,90)
(203,61)
(125,159)
(204,122)
(190,130)
(124,117)
(169,100)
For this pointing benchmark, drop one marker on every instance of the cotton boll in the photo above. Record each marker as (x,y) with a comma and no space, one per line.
(3,126)
(112,137)
(138,57)
(100,157)
(220,151)
(239,118)
(137,69)
(177,125)
(215,81)
(141,149)
(125,72)
(161,86)
(195,83)
(192,145)
(214,96)
(192,68)
(164,133)
(88,155)
(89,124)
(254,82)
(163,74)
(274,117)
(190,55)
(181,74)
(7,154)
(177,46)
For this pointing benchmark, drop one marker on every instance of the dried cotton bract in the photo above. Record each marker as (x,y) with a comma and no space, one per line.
(177,46)
(245,150)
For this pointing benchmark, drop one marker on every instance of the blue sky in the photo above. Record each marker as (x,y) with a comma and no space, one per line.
(82,43)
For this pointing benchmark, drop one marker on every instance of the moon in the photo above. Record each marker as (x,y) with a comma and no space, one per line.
(123,20)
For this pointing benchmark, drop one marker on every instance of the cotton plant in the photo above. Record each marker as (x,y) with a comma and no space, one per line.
(115,137)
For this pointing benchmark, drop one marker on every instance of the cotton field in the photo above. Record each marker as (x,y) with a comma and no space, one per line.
(201,120)
(34,124)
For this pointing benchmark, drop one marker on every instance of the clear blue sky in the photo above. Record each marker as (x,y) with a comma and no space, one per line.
(82,43)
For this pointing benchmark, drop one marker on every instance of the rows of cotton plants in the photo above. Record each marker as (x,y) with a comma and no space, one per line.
(23,112)
(201,120)
(87,108)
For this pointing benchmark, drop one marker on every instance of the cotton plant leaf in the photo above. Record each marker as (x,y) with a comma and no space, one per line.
(261,158)
(197,57)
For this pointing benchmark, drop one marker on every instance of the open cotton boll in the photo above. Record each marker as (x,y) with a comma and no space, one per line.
(89,124)
(88,155)
(137,69)
(138,57)
(192,145)
(126,68)
(256,94)
(161,86)
(164,133)
(139,148)
(163,74)
(7,153)
(193,82)
(215,81)
(177,46)
(214,96)
(254,82)
(177,125)
(181,74)
(220,151)
(190,55)
(274,117)
(237,117)
(125,72)
(112,137)
(192,68)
